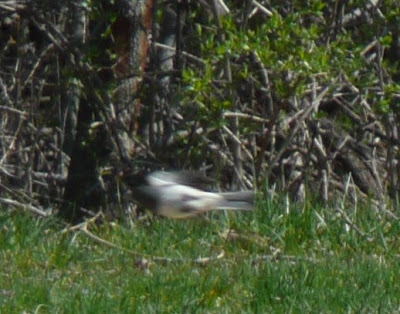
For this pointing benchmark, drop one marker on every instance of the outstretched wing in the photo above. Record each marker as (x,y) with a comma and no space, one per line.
(188,178)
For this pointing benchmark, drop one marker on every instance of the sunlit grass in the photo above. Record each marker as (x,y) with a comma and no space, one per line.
(279,258)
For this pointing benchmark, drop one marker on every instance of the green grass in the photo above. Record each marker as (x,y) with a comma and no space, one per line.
(273,260)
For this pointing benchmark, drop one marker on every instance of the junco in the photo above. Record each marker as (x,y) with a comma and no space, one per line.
(178,194)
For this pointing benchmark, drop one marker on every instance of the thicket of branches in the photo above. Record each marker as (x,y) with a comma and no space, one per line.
(300,94)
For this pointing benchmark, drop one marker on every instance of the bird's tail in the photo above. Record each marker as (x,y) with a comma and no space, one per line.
(241,200)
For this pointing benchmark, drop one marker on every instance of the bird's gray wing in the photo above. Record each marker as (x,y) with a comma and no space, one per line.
(188,178)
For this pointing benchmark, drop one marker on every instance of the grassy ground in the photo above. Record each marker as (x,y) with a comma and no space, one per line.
(278,259)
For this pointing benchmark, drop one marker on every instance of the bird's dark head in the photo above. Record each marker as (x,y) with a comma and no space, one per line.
(142,192)
(133,180)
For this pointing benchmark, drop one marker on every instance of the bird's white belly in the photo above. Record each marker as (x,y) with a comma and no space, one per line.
(178,201)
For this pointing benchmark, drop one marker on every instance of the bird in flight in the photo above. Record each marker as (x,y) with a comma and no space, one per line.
(180,194)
